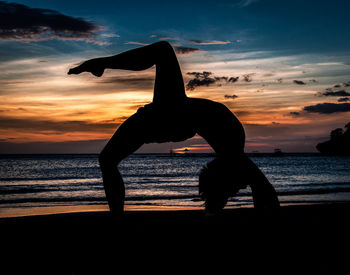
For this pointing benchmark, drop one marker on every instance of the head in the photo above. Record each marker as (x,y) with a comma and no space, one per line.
(217,183)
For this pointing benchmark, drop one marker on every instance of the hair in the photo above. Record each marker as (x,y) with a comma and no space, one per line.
(217,183)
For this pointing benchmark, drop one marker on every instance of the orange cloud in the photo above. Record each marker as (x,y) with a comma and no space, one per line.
(213,42)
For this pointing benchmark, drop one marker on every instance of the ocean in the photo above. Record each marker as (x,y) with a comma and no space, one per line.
(31,183)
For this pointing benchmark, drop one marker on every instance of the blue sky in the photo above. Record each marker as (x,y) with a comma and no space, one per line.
(296,26)
(294,53)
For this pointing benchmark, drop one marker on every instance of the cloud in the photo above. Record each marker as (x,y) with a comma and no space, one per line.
(239,3)
(299,82)
(110,35)
(328,108)
(143,82)
(201,79)
(206,42)
(70,147)
(233,79)
(295,113)
(25,124)
(343,99)
(136,43)
(248,77)
(198,74)
(231,96)
(185,50)
(266,130)
(245,3)
(328,92)
(22,23)
(205,79)
(219,78)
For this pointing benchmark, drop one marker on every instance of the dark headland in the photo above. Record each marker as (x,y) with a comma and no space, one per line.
(338,144)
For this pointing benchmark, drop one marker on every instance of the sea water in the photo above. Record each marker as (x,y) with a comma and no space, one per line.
(160,180)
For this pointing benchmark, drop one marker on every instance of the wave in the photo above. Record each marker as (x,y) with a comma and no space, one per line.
(181,185)
(316,191)
(313,184)
(163,197)
(58,199)
(36,179)
(90,186)
(125,175)
(96,199)
(8,191)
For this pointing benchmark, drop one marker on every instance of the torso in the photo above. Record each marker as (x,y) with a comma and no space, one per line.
(178,122)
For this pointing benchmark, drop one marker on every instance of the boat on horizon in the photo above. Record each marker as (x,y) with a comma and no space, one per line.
(278,152)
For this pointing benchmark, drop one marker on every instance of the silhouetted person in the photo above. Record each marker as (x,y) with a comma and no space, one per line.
(172,117)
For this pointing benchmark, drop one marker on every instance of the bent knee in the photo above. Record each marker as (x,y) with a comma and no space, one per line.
(164,51)
(165,45)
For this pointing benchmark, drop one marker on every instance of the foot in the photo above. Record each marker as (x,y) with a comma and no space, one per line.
(76,70)
(90,66)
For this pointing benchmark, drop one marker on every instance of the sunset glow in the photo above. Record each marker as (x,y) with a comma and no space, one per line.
(274,79)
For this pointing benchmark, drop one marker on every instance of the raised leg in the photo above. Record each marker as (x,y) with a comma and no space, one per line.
(169,85)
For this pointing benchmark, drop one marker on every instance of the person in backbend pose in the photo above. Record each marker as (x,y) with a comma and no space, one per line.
(172,117)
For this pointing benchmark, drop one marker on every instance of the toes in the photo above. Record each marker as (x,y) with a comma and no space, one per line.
(75,70)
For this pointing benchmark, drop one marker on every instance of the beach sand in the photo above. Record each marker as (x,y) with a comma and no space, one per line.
(312,238)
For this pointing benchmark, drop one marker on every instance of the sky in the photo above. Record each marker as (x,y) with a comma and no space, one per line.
(282,67)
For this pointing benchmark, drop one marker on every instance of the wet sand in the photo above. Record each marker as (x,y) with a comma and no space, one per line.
(311,238)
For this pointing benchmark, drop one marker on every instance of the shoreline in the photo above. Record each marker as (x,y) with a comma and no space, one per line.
(295,208)
(99,208)
(208,154)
